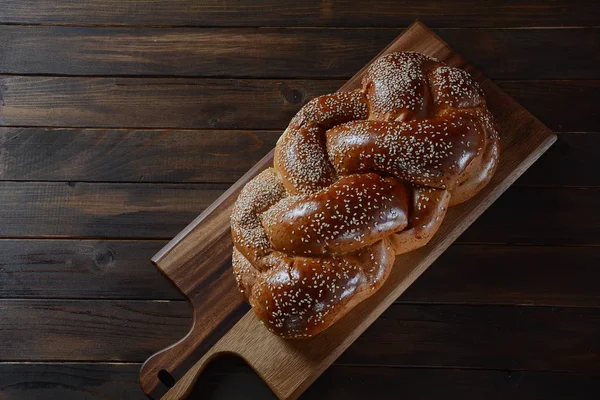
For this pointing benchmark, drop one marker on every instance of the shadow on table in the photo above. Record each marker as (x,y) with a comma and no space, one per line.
(230,378)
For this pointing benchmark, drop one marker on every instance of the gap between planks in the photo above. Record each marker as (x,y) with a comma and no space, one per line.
(265,27)
(68,363)
(397,302)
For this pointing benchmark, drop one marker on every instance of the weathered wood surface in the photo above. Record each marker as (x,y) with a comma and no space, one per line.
(563,105)
(231,379)
(69,381)
(544,215)
(197,260)
(343,13)
(418,335)
(102,111)
(220,156)
(464,274)
(128,155)
(308,53)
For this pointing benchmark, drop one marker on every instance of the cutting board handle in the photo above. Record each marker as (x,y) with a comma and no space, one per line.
(165,368)
(272,358)
(183,387)
(161,371)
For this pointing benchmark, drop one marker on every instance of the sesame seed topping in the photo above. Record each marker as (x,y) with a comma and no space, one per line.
(358,176)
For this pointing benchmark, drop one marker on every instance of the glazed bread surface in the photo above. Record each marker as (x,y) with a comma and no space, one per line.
(359,177)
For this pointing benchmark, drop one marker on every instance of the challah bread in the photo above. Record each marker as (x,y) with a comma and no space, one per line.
(358,177)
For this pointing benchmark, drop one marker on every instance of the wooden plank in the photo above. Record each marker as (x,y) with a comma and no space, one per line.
(130,155)
(497,13)
(144,102)
(159,211)
(164,102)
(85,330)
(101,210)
(570,111)
(496,337)
(74,381)
(231,378)
(511,275)
(90,269)
(106,155)
(234,104)
(206,52)
(309,53)
(571,161)
(227,379)
(513,54)
(547,338)
(473,274)
(434,384)
(540,216)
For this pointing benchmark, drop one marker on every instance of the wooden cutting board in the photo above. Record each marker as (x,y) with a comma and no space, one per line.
(198,262)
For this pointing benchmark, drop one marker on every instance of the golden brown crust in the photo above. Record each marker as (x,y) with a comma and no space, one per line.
(358,177)
(433,153)
(260,194)
(429,206)
(300,156)
(354,212)
(300,296)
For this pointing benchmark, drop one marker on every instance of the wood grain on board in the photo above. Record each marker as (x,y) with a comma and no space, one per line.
(307,53)
(306,13)
(198,263)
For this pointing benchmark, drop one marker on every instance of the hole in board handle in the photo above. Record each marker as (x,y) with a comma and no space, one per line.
(166,378)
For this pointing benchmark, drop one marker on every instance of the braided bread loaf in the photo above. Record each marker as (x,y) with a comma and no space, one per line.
(358,177)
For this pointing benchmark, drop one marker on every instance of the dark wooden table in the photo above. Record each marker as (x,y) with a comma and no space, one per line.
(120,121)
